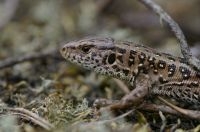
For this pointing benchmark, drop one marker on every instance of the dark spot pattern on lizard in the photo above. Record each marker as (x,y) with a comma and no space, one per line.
(151,61)
(133,53)
(142,57)
(120,50)
(104,59)
(96,60)
(171,70)
(116,68)
(185,72)
(182,60)
(161,64)
(118,75)
(126,72)
(131,60)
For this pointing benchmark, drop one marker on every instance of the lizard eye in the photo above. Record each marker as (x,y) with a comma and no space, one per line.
(85,49)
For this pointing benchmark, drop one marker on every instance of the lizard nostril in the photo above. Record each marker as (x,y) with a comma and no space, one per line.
(63,49)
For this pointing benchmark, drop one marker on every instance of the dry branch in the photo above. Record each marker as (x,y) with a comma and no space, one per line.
(27,115)
(169,110)
(177,31)
(28,57)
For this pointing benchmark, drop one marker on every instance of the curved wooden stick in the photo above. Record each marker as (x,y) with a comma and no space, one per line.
(177,31)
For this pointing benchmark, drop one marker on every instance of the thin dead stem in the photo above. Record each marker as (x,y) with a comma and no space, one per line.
(27,57)
(188,113)
(27,115)
(177,31)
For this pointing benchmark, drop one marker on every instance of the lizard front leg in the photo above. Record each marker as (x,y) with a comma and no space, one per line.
(135,97)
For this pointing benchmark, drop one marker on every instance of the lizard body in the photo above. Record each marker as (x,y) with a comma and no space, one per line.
(170,76)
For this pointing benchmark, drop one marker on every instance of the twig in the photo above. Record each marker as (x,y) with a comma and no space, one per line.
(190,113)
(164,121)
(27,115)
(157,108)
(169,110)
(177,31)
(28,57)
(113,119)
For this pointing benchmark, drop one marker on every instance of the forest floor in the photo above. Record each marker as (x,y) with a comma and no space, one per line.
(62,93)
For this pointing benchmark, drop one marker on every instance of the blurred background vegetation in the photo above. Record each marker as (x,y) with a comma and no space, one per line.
(63,93)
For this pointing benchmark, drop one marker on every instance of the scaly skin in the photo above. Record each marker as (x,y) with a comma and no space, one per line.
(170,76)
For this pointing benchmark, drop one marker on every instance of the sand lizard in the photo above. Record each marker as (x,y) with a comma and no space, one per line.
(168,75)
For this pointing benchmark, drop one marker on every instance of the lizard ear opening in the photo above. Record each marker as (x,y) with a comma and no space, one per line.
(111,58)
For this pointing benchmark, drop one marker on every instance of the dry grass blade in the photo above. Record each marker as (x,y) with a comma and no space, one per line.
(28,115)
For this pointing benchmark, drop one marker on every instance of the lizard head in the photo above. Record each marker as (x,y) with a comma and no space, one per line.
(96,54)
